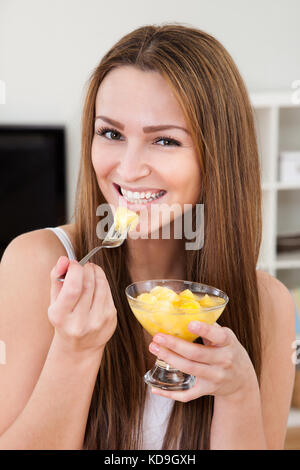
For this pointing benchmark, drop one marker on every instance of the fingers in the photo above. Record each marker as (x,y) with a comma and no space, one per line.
(182,363)
(205,361)
(218,336)
(58,270)
(101,287)
(103,314)
(88,286)
(82,310)
(192,351)
(71,289)
(184,395)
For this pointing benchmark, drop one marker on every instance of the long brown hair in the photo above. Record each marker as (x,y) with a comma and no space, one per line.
(216,107)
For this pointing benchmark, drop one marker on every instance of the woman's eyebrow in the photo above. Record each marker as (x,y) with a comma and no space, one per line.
(146,129)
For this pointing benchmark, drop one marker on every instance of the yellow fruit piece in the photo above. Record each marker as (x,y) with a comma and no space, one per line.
(123,217)
(147,297)
(158,290)
(208,301)
(189,304)
(164,306)
(164,293)
(187,294)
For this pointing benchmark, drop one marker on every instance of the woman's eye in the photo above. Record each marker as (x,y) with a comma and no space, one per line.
(169,140)
(104,130)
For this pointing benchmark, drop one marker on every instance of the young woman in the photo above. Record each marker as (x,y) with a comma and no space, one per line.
(166,113)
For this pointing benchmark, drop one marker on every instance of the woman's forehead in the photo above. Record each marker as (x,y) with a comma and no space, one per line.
(146,95)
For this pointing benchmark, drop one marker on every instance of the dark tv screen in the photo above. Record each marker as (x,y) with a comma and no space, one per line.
(32,180)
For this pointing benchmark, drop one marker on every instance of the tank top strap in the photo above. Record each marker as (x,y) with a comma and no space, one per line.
(65,240)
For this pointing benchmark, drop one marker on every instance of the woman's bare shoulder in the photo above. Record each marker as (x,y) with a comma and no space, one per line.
(69,229)
(25,282)
(277,308)
(273,293)
(29,258)
(40,246)
(277,312)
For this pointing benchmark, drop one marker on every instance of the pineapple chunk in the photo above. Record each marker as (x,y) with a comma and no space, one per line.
(123,217)
(147,297)
(164,293)
(164,306)
(157,290)
(189,304)
(207,301)
(187,294)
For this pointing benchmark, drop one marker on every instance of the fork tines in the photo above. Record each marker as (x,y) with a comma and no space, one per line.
(113,234)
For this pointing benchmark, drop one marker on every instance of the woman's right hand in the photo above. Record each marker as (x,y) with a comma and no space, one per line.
(81,308)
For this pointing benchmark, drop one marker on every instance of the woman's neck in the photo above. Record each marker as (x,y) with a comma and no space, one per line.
(155,259)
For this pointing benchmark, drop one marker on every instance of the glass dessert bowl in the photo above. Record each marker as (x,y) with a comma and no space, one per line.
(168,306)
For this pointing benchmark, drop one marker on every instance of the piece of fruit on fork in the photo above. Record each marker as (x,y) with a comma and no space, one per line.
(123,217)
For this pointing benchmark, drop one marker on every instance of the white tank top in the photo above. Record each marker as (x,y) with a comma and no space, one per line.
(157,408)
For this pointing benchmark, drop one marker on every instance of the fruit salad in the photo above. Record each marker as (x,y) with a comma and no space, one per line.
(162,310)
(123,217)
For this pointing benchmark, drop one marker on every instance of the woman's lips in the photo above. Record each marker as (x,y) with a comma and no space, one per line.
(134,205)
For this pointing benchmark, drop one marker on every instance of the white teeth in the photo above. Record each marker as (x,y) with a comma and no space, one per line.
(136,197)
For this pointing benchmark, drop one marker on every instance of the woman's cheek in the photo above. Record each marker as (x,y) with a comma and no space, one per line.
(103,161)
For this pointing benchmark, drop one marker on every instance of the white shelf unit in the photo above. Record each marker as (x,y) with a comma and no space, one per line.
(277,121)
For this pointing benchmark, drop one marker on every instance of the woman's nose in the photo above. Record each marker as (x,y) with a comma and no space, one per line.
(132,165)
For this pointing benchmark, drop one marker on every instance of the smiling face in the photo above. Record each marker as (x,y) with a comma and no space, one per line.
(135,164)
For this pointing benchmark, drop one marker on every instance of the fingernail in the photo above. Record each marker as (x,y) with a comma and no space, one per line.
(58,264)
(159,339)
(154,348)
(194,326)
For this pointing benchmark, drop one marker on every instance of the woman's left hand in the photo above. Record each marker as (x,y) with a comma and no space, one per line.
(221,366)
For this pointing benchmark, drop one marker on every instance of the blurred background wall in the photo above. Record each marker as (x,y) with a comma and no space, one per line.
(48,48)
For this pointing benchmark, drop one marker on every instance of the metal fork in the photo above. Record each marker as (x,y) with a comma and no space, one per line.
(113,239)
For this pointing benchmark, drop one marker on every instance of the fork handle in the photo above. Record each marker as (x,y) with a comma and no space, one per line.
(82,261)
(89,255)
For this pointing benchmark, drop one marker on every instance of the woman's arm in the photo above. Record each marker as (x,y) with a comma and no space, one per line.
(237,420)
(278,369)
(56,413)
(47,381)
(257,417)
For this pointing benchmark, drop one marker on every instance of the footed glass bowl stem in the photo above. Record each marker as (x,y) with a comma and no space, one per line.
(163,375)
